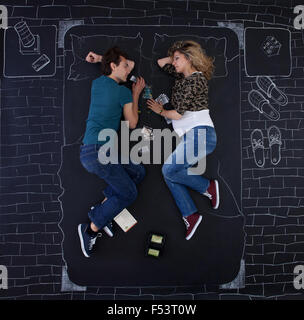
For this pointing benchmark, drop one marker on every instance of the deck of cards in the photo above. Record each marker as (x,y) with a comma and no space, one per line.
(162,99)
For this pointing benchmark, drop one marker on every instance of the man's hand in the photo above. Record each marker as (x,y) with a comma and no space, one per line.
(93,57)
(138,86)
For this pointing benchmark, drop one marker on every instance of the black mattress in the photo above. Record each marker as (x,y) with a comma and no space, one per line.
(214,253)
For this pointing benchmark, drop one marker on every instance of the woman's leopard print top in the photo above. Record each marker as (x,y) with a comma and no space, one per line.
(188,93)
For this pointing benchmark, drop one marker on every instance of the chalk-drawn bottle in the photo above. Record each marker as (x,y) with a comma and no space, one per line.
(24,33)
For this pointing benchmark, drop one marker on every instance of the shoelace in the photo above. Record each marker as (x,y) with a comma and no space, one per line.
(257,144)
(93,240)
(274,139)
(186,223)
(207,194)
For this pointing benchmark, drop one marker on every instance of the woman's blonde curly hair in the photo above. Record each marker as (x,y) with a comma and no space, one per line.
(196,54)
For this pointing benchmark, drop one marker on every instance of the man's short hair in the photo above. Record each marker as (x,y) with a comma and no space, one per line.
(112,55)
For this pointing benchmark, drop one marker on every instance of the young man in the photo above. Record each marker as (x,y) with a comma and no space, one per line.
(108,101)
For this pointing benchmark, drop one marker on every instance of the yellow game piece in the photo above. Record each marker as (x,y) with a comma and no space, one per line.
(156,239)
(153,252)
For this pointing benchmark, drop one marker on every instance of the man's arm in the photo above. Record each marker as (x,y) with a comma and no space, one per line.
(130,110)
(93,57)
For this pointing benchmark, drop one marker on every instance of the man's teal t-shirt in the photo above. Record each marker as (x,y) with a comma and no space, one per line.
(107,101)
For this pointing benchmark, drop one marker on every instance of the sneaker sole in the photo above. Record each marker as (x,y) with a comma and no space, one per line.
(108,231)
(194,228)
(81,241)
(217,194)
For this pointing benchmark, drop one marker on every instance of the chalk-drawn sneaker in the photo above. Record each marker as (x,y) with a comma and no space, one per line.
(274,138)
(213,194)
(271,90)
(87,241)
(192,222)
(257,145)
(259,102)
(108,229)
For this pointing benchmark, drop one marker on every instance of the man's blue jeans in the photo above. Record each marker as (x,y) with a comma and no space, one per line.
(121,190)
(176,175)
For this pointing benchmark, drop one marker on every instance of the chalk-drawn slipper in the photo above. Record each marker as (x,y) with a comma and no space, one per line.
(271,90)
(259,102)
(275,142)
(258,147)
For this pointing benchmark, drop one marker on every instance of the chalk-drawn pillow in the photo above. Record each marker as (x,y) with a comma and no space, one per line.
(81,46)
(214,47)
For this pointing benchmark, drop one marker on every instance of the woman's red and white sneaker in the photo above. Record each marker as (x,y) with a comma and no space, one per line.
(192,223)
(213,194)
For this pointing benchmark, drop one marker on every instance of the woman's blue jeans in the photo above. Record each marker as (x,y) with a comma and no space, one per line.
(121,190)
(176,174)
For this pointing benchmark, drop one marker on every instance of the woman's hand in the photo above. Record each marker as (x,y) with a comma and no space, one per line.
(93,57)
(154,106)
(138,86)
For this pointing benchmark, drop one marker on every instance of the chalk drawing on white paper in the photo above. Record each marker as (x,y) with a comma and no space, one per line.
(258,149)
(260,103)
(239,281)
(271,90)
(271,46)
(64,27)
(28,42)
(67,284)
(275,142)
(41,62)
(238,28)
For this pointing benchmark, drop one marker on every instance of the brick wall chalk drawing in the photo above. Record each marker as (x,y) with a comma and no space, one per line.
(251,248)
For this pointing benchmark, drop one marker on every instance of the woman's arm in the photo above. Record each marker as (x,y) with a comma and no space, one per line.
(171,114)
(162,62)
(159,109)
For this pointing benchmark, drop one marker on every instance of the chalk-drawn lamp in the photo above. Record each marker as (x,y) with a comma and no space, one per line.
(28,43)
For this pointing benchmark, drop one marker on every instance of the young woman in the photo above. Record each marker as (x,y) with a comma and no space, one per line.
(192,69)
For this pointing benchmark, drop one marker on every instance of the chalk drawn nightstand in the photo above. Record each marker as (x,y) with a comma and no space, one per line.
(29,51)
